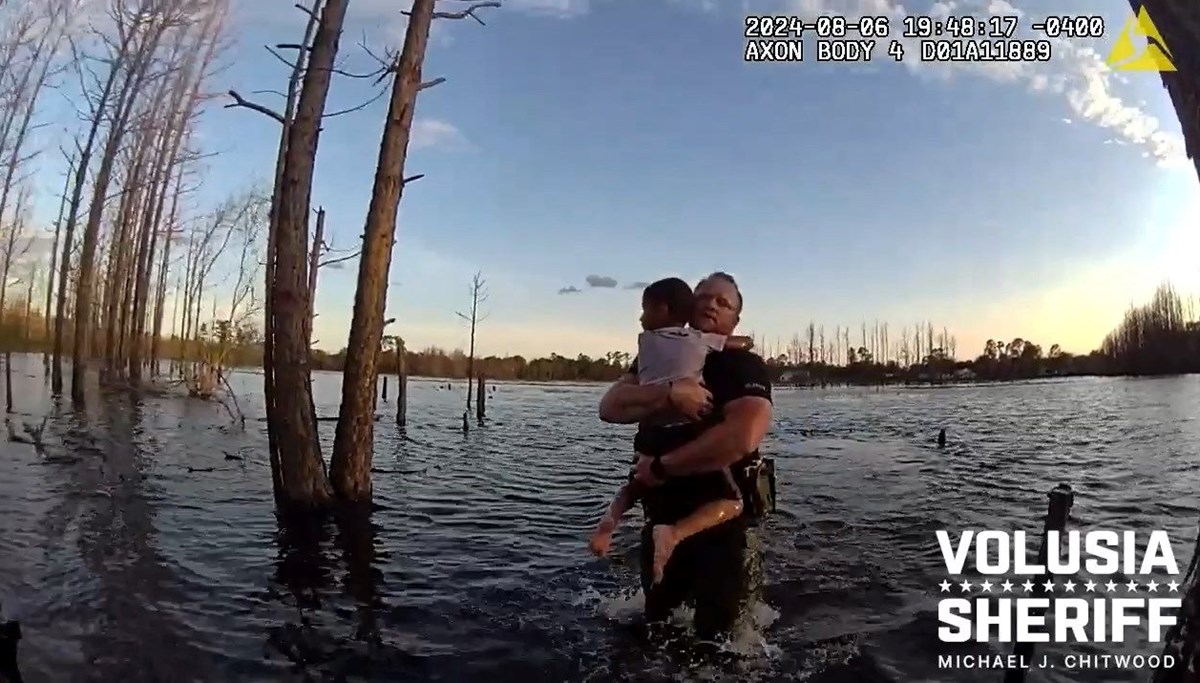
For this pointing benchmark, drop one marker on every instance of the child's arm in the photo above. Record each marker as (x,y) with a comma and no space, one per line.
(715,342)
(739,343)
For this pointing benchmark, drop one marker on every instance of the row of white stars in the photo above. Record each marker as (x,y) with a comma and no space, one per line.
(1069,586)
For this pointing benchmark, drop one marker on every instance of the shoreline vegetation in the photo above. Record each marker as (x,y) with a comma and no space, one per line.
(1161,337)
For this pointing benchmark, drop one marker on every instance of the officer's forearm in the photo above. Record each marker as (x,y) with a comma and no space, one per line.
(746,422)
(716,448)
(625,403)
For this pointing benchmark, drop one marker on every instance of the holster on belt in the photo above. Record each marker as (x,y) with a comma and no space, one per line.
(757,481)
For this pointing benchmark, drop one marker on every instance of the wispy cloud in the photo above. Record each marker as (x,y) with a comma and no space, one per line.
(555,8)
(601,281)
(436,133)
(1077,72)
(709,6)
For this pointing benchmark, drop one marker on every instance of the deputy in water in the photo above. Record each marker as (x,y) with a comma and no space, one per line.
(718,570)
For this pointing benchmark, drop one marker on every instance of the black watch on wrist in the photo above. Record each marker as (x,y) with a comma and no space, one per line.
(657,469)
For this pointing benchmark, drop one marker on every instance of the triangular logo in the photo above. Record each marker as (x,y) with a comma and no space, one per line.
(1125,55)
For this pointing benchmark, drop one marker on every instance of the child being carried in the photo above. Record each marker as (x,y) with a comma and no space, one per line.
(670,351)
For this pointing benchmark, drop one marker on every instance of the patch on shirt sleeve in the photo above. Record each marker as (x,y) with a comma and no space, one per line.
(756,387)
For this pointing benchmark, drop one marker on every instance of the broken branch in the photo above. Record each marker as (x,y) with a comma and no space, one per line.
(364,105)
(331,262)
(462,14)
(239,101)
(280,57)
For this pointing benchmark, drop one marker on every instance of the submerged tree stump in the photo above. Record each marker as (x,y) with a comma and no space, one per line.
(401,389)
(480,399)
(203,383)
(1059,509)
(8,394)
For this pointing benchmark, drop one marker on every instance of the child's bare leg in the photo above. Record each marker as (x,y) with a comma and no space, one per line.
(601,539)
(668,536)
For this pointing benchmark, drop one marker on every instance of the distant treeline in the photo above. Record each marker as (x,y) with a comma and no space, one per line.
(1161,337)
(1158,338)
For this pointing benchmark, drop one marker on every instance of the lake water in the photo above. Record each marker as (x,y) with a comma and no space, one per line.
(123,565)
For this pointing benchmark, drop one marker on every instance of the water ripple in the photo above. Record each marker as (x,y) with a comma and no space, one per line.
(148,554)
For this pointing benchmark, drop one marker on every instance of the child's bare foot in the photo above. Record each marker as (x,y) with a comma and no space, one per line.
(664,545)
(602,537)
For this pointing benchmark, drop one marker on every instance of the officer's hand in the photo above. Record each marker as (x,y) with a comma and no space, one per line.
(690,399)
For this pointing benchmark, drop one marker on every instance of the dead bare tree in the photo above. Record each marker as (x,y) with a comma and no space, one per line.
(298,470)
(303,467)
(31,278)
(354,441)
(225,333)
(20,101)
(314,264)
(186,93)
(85,155)
(13,245)
(15,35)
(120,250)
(169,237)
(16,119)
(239,214)
(812,342)
(140,32)
(478,296)
(58,223)
(317,259)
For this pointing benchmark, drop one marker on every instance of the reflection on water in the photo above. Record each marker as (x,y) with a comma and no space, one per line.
(123,565)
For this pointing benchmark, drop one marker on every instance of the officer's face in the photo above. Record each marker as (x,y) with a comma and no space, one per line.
(717,306)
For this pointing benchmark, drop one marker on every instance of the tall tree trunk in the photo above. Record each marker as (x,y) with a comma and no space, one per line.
(303,477)
(83,298)
(29,309)
(354,443)
(58,224)
(314,263)
(5,271)
(471,353)
(131,312)
(160,298)
(85,157)
(22,112)
(22,103)
(118,253)
(185,97)
(268,364)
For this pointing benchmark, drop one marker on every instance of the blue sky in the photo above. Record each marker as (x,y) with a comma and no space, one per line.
(629,140)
